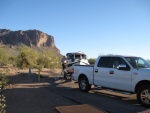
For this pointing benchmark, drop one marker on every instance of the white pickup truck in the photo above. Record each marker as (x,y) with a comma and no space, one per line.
(122,73)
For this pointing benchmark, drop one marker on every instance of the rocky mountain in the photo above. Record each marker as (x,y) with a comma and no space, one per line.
(31,38)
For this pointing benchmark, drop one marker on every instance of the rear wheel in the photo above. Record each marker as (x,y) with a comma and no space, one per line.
(143,96)
(84,85)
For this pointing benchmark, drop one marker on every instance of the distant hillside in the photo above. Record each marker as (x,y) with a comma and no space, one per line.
(32,38)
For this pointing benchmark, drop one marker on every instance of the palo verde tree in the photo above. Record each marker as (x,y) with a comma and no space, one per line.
(48,59)
(27,57)
(3,57)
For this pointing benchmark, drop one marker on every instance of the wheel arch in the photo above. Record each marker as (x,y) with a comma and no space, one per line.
(141,83)
(82,75)
(84,85)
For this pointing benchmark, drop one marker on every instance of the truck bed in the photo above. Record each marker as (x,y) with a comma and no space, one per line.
(84,70)
(85,65)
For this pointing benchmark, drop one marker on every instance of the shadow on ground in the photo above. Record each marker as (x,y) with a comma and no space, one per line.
(50,92)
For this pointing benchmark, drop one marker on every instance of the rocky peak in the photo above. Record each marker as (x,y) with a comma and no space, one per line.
(29,38)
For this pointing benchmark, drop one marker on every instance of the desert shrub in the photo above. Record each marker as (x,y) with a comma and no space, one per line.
(48,59)
(3,57)
(92,61)
(3,82)
(13,60)
(27,57)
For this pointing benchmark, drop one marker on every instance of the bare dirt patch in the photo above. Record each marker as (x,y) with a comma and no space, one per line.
(23,95)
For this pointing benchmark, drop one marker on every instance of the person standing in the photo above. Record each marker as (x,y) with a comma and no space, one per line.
(64,65)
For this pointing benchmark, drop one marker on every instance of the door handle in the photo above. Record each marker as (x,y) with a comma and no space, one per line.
(111,72)
(96,70)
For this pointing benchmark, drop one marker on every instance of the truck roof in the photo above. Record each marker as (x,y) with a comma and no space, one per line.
(117,56)
(75,53)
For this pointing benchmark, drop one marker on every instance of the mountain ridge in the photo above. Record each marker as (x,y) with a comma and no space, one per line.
(31,38)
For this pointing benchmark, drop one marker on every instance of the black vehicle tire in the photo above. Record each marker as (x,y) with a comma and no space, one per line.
(84,85)
(143,95)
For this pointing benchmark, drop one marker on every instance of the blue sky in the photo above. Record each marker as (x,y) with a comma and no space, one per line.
(95,27)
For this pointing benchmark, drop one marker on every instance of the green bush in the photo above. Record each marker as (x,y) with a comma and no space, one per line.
(92,61)
(48,59)
(25,57)
(3,82)
(3,57)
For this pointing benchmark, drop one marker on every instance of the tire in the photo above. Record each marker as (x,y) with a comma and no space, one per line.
(143,95)
(84,85)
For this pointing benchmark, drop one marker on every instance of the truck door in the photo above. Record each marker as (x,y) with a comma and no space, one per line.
(101,72)
(119,79)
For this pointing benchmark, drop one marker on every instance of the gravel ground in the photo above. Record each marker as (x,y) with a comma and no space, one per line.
(28,96)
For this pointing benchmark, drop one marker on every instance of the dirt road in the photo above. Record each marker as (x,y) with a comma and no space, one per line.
(28,96)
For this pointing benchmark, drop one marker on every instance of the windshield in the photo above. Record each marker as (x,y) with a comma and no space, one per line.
(77,57)
(80,56)
(138,62)
(83,56)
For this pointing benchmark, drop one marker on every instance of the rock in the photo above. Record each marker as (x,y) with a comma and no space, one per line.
(29,38)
